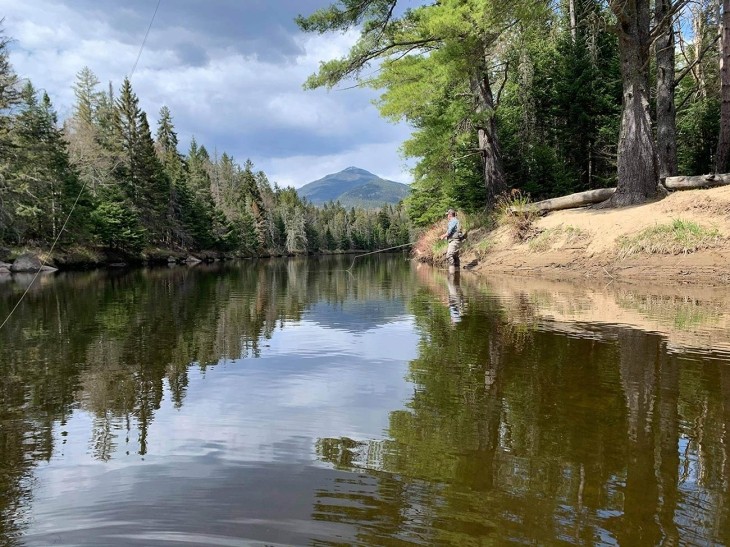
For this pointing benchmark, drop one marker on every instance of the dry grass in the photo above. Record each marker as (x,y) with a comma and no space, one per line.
(431,248)
(514,211)
(80,254)
(679,237)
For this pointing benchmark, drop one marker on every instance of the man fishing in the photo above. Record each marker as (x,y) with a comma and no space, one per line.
(453,236)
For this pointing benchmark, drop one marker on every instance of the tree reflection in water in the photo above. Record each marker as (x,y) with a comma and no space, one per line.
(517,433)
(111,343)
(519,428)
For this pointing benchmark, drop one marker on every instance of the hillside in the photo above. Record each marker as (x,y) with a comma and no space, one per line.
(683,237)
(354,187)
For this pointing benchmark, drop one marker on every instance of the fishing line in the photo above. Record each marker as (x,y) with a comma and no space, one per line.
(378,251)
(144,41)
(43,261)
(83,187)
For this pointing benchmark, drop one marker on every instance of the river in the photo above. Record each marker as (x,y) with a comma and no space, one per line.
(374,401)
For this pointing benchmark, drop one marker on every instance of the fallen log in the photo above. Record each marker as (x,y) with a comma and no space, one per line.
(698,181)
(571,201)
(589,197)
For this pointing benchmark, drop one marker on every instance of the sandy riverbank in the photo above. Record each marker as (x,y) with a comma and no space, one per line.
(587,243)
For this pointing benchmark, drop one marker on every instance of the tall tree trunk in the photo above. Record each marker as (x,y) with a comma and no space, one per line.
(698,29)
(637,162)
(666,115)
(723,143)
(491,151)
(573,20)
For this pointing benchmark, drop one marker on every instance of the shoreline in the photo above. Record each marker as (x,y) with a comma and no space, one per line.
(683,238)
(87,259)
(701,267)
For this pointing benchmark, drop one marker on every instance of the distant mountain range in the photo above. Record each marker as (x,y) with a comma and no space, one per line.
(354,187)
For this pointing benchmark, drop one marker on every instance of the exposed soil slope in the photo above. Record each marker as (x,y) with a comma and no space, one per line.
(593,243)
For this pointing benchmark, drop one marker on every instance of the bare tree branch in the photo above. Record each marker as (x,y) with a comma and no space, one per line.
(501,87)
(690,68)
(666,21)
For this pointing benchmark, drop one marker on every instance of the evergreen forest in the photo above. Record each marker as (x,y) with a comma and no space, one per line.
(133,192)
(535,97)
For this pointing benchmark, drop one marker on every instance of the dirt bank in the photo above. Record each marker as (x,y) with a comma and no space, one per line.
(612,244)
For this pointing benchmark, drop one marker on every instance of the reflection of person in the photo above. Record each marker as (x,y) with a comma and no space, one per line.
(452,235)
(456,302)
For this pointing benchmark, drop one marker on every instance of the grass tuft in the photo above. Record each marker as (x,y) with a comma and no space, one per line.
(544,240)
(679,237)
(515,210)
(483,247)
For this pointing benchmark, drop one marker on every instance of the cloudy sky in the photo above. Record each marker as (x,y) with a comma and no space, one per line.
(231,72)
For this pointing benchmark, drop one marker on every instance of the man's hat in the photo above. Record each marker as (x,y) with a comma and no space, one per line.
(450,212)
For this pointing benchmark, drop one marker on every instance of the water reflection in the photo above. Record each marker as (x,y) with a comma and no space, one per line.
(516,433)
(293,402)
(691,319)
(97,367)
(456,297)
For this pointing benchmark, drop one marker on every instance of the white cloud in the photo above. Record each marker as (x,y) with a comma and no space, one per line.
(242,99)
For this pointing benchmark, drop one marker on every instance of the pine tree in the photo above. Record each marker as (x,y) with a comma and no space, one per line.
(180,199)
(251,194)
(108,121)
(249,237)
(155,186)
(84,131)
(146,186)
(87,96)
(44,185)
(437,69)
(637,164)
(208,225)
(296,234)
(9,96)
(126,121)
(9,99)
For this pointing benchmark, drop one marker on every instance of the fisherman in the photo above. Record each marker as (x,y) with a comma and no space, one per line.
(453,236)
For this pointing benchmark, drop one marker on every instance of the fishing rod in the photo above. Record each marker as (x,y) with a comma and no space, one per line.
(378,251)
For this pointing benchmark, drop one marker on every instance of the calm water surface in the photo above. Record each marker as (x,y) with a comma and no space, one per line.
(292,402)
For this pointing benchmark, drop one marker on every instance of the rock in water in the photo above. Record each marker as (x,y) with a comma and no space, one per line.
(26,263)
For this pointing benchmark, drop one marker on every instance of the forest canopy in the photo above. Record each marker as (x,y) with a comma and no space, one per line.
(543,97)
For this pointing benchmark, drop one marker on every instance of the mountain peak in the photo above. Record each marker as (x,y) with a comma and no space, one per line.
(354,186)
